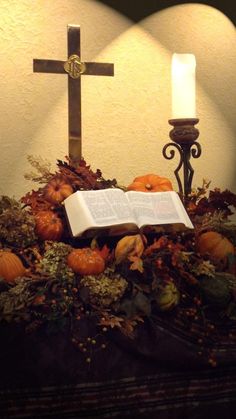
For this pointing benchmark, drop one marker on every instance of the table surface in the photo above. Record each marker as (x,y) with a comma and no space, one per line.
(158,372)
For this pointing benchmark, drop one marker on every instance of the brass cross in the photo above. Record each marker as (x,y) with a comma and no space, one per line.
(74,67)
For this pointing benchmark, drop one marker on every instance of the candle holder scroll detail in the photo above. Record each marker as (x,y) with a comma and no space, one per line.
(183,135)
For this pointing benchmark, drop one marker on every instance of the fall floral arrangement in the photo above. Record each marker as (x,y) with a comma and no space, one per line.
(186,278)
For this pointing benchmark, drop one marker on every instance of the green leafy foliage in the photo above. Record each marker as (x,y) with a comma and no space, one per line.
(215,291)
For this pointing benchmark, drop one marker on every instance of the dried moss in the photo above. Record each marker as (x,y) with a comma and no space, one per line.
(15,301)
(54,261)
(16,224)
(104,289)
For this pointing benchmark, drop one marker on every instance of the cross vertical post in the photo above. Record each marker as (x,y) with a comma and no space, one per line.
(74,105)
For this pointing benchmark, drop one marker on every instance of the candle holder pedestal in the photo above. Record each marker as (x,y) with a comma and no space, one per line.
(183,135)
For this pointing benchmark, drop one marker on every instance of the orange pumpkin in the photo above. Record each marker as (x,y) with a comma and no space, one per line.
(48,225)
(57,190)
(150,183)
(11,266)
(85,261)
(215,246)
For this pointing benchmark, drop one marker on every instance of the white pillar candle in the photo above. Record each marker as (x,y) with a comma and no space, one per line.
(183,86)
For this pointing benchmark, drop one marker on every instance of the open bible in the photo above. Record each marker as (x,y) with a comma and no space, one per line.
(117,212)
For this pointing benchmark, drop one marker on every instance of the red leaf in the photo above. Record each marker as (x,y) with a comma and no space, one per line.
(104,252)
(158,244)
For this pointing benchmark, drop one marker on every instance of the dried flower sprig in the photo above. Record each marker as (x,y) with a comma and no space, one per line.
(43,169)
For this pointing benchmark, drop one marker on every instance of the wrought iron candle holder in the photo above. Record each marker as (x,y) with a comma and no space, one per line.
(183,135)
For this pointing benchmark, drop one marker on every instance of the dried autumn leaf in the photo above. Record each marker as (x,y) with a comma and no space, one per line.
(128,326)
(158,244)
(111,321)
(104,252)
(179,257)
(36,201)
(83,177)
(137,264)
(216,201)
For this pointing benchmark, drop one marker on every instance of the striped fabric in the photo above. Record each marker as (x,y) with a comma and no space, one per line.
(158,375)
(204,394)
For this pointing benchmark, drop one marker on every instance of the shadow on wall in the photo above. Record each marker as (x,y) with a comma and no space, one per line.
(137,11)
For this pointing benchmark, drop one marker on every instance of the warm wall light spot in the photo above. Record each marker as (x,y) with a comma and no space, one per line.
(125,118)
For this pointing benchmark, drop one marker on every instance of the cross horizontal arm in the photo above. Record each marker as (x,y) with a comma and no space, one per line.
(48,66)
(99,69)
(52,66)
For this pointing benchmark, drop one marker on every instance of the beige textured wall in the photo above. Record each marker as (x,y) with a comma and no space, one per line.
(125,118)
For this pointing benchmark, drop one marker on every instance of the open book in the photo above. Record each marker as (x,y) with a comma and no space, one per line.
(116,211)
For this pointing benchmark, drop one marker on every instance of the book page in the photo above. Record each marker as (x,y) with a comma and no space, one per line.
(77,214)
(122,211)
(156,208)
(107,207)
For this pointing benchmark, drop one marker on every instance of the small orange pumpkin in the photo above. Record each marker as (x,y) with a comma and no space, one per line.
(85,261)
(150,183)
(57,190)
(48,225)
(11,266)
(215,246)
